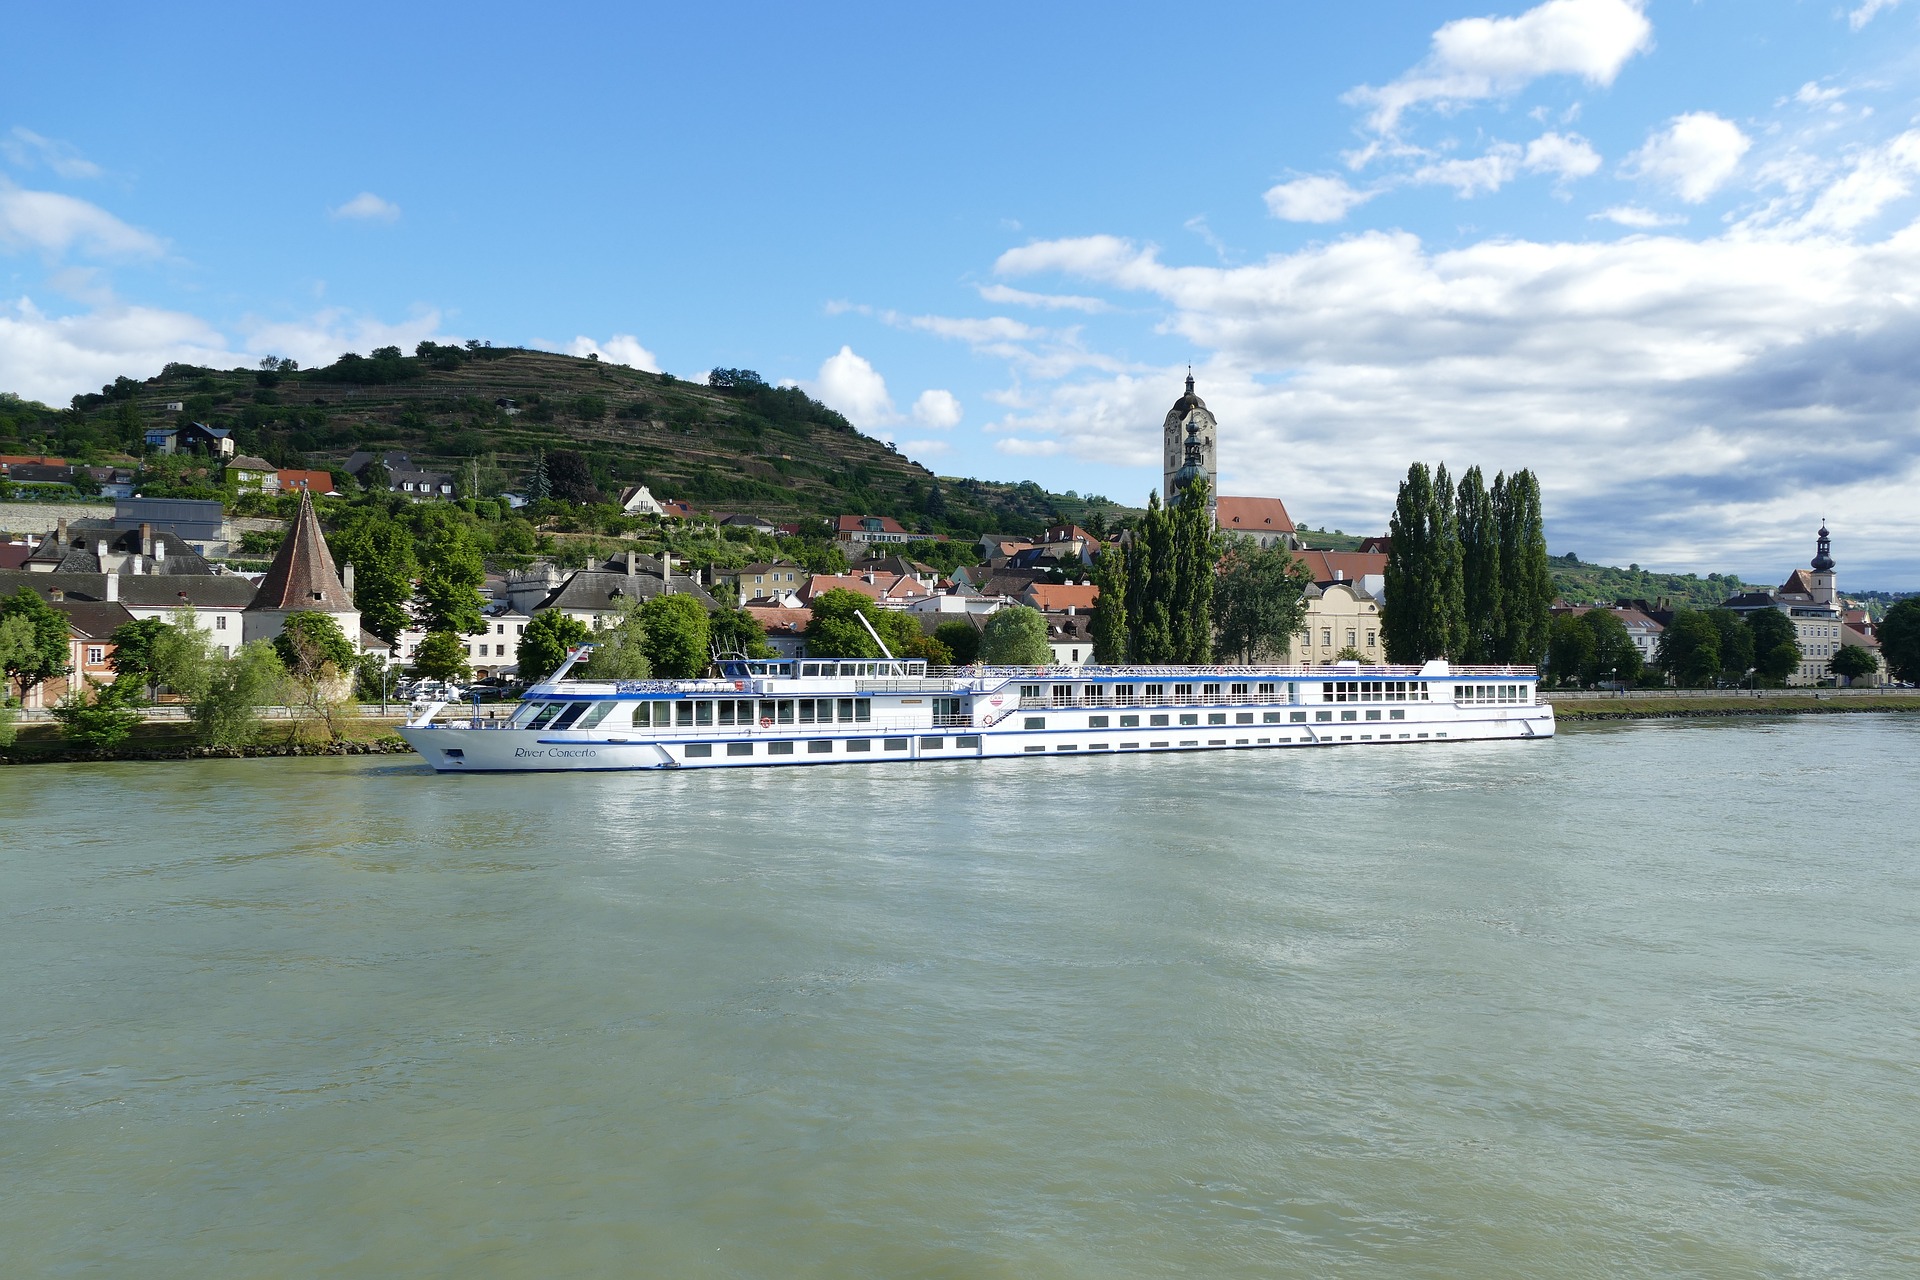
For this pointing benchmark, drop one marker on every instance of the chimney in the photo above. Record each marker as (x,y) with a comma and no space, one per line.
(60,533)
(136,565)
(1339,575)
(113,586)
(1070,611)
(633,563)
(146,538)
(57,596)
(346,576)
(100,552)
(666,571)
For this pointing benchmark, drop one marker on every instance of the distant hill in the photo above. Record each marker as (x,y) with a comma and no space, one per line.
(1581,583)
(741,446)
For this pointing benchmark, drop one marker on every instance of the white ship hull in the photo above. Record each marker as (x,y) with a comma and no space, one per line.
(890,712)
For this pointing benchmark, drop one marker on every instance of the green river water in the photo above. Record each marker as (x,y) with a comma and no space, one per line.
(1641,1001)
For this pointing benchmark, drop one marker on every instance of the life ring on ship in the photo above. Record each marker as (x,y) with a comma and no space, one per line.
(738,685)
(766,722)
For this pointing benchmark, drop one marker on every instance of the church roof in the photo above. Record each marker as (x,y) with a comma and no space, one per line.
(303,576)
(1253,515)
(1186,403)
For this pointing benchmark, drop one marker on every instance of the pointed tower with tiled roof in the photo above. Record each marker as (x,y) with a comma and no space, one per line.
(302,580)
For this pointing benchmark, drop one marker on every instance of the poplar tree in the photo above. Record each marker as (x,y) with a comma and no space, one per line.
(1153,642)
(1449,577)
(1526,587)
(1191,590)
(1110,573)
(1480,569)
(1410,624)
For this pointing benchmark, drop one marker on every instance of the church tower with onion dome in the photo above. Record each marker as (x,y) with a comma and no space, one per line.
(1188,445)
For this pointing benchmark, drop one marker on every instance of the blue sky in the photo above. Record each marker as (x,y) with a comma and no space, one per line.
(1663,253)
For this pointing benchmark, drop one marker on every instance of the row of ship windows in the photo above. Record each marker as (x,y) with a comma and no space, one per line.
(693,713)
(1159,695)
(1220,717)
(971,742)
(824,746)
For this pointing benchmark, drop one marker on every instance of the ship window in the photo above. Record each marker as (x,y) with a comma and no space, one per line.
(1123,695)
(1244,717)
(1129,722)
(595,716)
(1035,722)
(1267,692)
(1189,717)
(969,743)
(859,744)
(1239,692)
(1396,714)
(932,744)
(1297,717)
(1183,693)
(568,716)
(785,715)
(1323,715)
(779,748)
(739,748)
(862,710)
(662,714)
(683,714)
(703,712)
(1373,715)
(846,711)
(699,749)
(1156,695)
(547,712)
(806,711)
(820,747)
(726,713)
(1349,715)
(1270,717)
(1062,695)
(1216,717)
(1156,721)
(897,744)
(766,708)
(1097,722)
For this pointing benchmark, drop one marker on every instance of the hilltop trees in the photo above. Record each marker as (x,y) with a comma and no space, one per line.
(1467,573)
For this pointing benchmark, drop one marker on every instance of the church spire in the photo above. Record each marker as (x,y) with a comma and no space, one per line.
(1823,551)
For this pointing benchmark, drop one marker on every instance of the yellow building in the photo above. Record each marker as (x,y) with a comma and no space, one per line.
(1340,616)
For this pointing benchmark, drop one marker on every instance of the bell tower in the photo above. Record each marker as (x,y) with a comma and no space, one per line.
(1821,578)
(1188,444)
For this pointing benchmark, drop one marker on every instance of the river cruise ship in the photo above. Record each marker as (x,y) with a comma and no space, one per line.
(758,713)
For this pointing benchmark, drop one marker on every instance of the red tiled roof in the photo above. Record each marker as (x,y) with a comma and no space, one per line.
(1351,565)
(857,524)
(1254,515)
(1056,597)
(780,622)
(313,481)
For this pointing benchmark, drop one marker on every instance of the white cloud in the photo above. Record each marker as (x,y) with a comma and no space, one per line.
(849,383)
(1811,94)
(1478,58)
(1006,296)
(26,148)
(1689,402)
(621,348)
(55,223)
(1566,155)
(1315,199)
(1694,155)
(367,207)
(926,448)
(53,358)
(1476,175)
(937,409)
(1868,11)
(1632,215)
(323,337)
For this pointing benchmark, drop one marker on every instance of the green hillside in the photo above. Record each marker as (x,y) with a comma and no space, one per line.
(1581,583)
(740,446)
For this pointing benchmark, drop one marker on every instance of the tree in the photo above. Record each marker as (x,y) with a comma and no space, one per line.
(570,477)
(1260,599)
(319,661)
(1853,661)
(1690,649)
(1109,611)
(1423,611)
(1736,642)
(442,655)
(1016,636)
(451,572)
(102,722)
(1569,649)
(677,635)
(1149,587)
(1526,578)
(1776,644)
(539,485)
(1900,640)
(381,553)
(620,649)
(835,631)
(544,644)
(226,709)
(181,658)
(1614,656)
(133,650)
(734,630)
(33,639)
(1481,581)
(1190,599)
(962,639)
